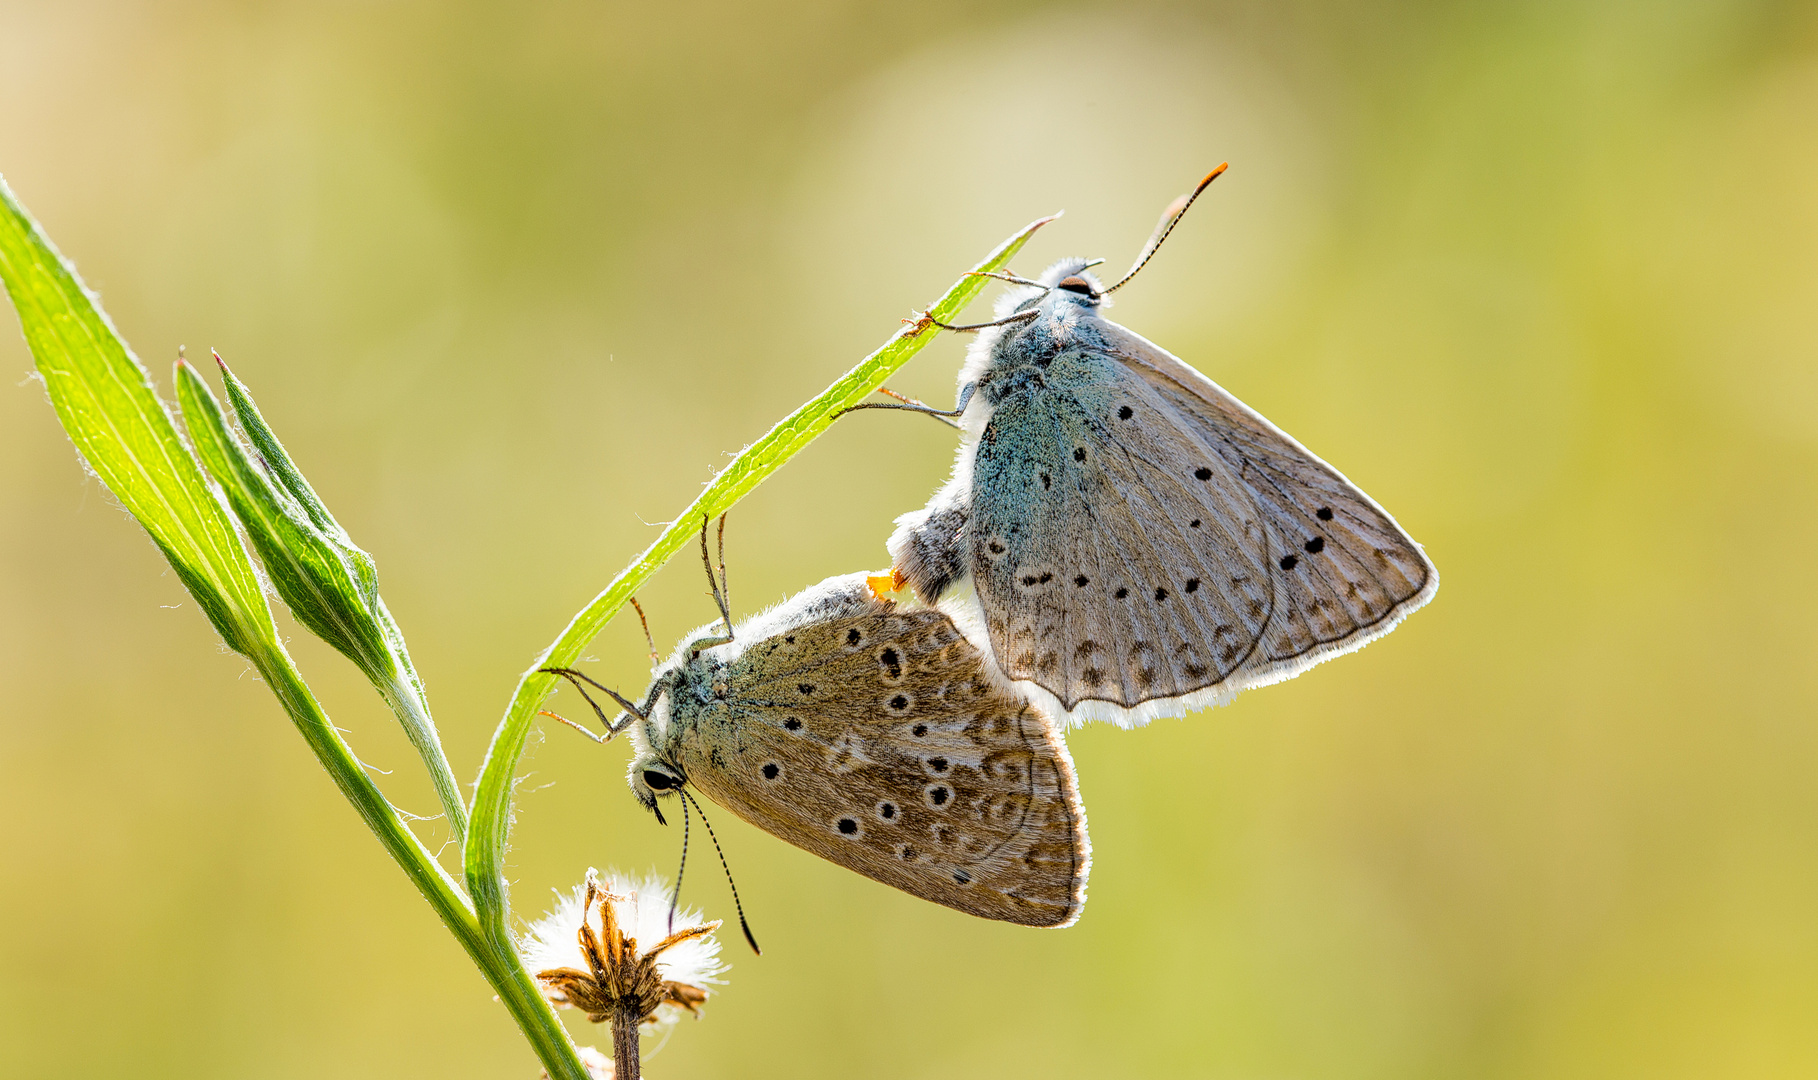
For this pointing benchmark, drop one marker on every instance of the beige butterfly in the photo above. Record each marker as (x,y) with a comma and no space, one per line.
(877,737)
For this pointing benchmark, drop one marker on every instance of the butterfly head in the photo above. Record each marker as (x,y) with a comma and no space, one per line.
(1065,284)
(651,775)
(651,779)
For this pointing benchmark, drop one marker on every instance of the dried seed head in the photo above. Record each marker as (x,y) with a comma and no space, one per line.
(587,953)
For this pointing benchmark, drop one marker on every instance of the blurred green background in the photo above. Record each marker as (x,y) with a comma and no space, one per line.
(513,281)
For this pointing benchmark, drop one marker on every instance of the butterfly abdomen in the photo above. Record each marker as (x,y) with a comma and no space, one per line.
(927,548)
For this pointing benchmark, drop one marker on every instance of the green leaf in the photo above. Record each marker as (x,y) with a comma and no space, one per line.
(121,429)
(277,460)
(305,568)
(106,404)
(490,819)
(330,585)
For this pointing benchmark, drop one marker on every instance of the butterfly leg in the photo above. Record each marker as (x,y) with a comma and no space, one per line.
(717,585)
(969,328)
(560,719)
(577,678)
(645,623)
(909,404)
(912,405)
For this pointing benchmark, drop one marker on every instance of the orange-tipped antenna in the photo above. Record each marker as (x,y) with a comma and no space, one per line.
(1170,217)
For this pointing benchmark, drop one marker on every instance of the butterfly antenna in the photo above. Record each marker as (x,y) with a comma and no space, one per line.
(645,623)
(736,906)
(675,897)
(1170,217)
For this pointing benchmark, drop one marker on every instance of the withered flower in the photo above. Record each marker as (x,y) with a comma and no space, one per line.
(586,953)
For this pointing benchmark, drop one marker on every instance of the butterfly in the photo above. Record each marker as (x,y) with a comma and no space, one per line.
(1138,542)
(876,736)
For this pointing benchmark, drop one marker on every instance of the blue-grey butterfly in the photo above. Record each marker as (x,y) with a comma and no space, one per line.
(874,735)
(1139,542)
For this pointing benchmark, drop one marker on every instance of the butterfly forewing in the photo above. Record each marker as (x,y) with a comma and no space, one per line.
(1114,557)
(877,739)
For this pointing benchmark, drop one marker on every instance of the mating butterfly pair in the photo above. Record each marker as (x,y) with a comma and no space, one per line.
(1121,539)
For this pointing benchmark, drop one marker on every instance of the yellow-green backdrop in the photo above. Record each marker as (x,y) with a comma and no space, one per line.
(513,280)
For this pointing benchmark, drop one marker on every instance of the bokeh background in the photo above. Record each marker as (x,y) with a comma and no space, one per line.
(514,280)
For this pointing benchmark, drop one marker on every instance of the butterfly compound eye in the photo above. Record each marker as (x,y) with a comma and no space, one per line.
(658,781)
(1079,285)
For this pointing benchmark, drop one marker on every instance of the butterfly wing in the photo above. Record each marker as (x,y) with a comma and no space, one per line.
(1138,535)
(1100,571)
(877,738)
(1345,573)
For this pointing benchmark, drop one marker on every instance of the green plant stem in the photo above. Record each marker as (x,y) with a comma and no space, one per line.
(490,819)
(517,991)
(406,702)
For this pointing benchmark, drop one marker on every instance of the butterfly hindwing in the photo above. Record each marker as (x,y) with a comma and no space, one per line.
(1344,571)
(876,738)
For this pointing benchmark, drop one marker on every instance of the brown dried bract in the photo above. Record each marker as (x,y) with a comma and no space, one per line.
(619,977)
